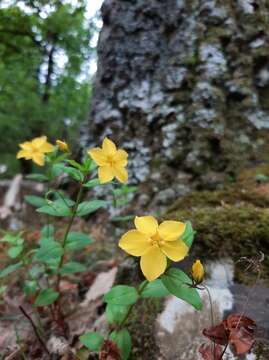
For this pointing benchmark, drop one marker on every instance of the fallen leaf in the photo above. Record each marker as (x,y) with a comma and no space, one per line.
(209,353)
(101,285)
(218,334)
(241,333)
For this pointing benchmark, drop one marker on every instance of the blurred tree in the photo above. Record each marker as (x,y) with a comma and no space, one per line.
(44,45)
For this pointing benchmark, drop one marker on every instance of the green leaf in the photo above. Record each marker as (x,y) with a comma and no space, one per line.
(92,340)
(57,169)
(177,283)
(123,340)
(36,201)
(115,314)
(47,231)
(154,289)
(87,164)
(37,177)
(30,287)
(13,239)
(121,295)
(74,173)
(75,164)
(188,234)
(50,250)
(88,207)
(77,241)
(10,269)
(72,267)
(46,297)
(15,251)
(92,183)
(35,271)
(58,207)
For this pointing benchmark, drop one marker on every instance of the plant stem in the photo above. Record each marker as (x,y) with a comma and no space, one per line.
(74,212)
(224,350)
(212,314)
(28,317)
(122,323)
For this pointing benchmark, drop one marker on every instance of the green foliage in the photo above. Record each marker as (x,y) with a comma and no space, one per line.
(92,340)
(43,48)
(59,208)
(88,207)
(188,235)
(115,314)
(77,241)
(72,267)
(154,289)
(179,285)
(121,295)
(10,269)
(123,340)
(46,297)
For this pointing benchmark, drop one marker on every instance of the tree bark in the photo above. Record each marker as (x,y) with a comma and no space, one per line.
(183,86)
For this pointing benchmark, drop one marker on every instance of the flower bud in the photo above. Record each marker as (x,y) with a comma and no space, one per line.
(198,271)
(63,146)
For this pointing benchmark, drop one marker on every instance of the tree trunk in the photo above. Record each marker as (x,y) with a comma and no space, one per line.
(183,86)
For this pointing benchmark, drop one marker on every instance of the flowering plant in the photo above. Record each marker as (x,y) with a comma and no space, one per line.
(157,245)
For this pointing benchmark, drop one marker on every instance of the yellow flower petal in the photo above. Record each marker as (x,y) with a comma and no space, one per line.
(134,243)
(105,174)
(39,141)
(46,148)
(120,173)
(108,147)
(198,271)
(98,156)
(24,154)
(120,158)
(175,250)
(27,145)
(39,158)
(171,230)
(153,263)
(146,224)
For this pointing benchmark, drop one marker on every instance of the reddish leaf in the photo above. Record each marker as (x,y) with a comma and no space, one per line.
(207,352)
(241,330)
(217,334)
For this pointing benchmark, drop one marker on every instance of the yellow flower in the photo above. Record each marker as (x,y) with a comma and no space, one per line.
(198,271)
(154,243)
(35,150)
(63,146)
(111,162)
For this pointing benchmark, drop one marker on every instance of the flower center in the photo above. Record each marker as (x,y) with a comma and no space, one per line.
(110,160)
(156,239)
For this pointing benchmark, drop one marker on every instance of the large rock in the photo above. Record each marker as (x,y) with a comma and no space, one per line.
(183,85)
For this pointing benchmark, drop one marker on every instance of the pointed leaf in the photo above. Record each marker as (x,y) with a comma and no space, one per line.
(178,284)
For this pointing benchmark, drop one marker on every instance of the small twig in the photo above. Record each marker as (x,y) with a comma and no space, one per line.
(224,351)
(28,317)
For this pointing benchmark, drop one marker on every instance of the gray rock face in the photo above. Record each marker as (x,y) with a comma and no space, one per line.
(182,85)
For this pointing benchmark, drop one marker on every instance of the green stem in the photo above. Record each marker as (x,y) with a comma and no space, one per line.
(74,212)
(122,323)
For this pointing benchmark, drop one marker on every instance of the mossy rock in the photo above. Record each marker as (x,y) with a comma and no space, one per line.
(228,223)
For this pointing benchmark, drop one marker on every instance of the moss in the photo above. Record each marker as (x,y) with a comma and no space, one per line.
(142,329)
(234,195)
(229,223)
(261,351)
